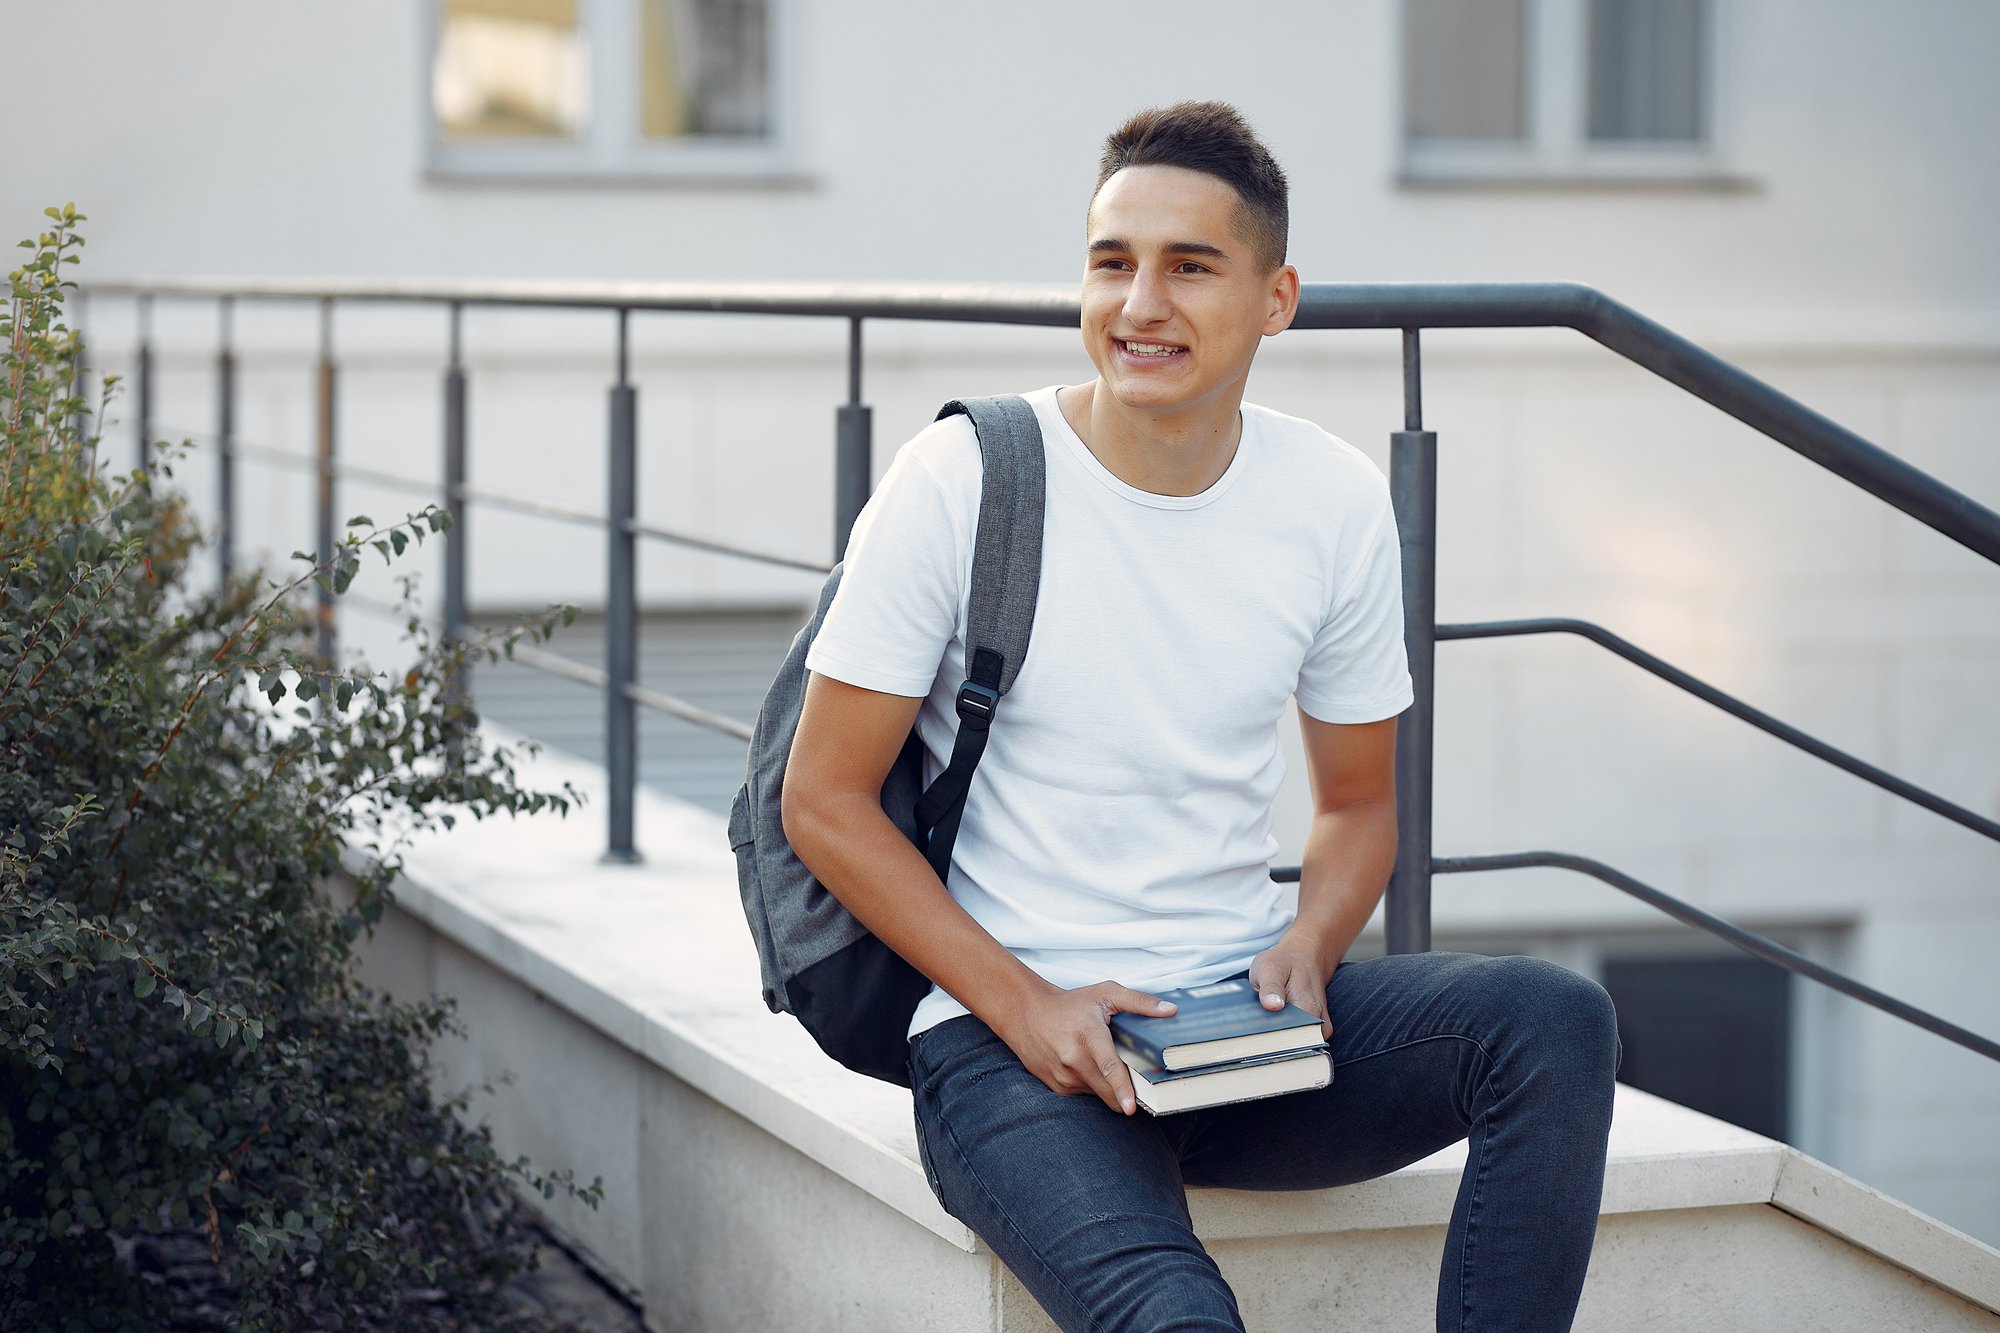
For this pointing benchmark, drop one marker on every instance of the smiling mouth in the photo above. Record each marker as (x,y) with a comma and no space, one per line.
(1160,351)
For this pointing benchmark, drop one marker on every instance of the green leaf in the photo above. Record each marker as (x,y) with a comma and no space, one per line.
(143,985)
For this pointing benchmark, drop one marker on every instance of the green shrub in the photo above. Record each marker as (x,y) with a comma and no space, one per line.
(183,1042)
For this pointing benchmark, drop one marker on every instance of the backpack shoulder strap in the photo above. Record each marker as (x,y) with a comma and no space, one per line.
(1007,552)
(1006,580)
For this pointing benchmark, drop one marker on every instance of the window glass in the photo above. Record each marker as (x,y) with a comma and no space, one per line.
(1465,69)
(704,68)
(1646,70)
(509,69)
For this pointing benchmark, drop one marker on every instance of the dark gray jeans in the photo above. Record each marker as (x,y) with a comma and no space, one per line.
(1087,1207)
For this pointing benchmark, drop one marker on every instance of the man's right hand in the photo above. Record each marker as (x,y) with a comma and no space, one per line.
(1063,1037)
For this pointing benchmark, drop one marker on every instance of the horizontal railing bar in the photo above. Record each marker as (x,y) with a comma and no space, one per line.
(1748,941)
(1673,675)
(1322,305)
(543,509)
(538,508)
(382,606)
(1054,306)
(639,529)
(306,463)
(687,712)
(341,471)
(555,664)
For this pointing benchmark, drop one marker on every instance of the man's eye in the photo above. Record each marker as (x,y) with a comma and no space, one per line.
(1190,266)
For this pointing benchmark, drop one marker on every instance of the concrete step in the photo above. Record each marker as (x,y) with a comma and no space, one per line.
(751,1184)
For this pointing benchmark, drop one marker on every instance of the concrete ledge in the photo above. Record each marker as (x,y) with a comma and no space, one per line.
(752,1183)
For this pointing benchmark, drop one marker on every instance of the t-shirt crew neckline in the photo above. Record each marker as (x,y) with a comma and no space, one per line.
(1152,500)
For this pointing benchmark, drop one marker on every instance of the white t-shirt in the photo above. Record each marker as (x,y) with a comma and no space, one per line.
(1119,824)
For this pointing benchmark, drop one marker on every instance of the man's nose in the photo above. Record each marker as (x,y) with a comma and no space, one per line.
(1146,300)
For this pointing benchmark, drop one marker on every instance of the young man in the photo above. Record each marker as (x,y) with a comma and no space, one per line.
(1205,562)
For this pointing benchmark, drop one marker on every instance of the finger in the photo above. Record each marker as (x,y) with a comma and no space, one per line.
(1125,1000)
(1112,1081)
(1313,1000)
(1272,986)
(1325,1019)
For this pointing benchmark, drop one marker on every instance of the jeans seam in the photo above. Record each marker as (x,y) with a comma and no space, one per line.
(1485,1158)
(999,1209)
(1473,1042)
(1478,1194)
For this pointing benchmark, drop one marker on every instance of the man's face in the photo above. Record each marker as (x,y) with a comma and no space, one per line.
(1175,299)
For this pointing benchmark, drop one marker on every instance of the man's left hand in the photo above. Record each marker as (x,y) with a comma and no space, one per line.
(1282,974)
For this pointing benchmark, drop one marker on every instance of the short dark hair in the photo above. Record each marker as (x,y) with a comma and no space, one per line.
(1214,139)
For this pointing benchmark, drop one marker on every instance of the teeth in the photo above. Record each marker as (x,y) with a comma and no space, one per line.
(1150,349)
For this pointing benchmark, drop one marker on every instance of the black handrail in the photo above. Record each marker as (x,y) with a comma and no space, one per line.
(1408,307)
(1748,941)
(1728,703)
(1322,305)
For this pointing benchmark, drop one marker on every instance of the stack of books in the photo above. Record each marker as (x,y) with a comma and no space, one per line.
(1221,1045)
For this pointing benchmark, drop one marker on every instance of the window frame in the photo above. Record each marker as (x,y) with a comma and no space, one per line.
(1556,149)
(611,147)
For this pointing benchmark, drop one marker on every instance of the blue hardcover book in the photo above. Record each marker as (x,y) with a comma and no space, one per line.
(1164,1092)
(1218,1022)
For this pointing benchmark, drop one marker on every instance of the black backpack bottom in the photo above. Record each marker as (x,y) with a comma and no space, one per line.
(857,1005)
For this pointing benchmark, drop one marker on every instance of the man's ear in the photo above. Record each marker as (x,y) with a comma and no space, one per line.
(1284,300)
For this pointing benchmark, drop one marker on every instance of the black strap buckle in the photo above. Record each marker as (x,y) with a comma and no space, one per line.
(977,704)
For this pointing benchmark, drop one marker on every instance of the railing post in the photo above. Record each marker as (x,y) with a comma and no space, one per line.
(143,372)
(853,462)
(323,506)
(621,612)
(457,685)
(1413,490)
(225,445)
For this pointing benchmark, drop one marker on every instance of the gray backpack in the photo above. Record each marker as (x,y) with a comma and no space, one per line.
(852,992)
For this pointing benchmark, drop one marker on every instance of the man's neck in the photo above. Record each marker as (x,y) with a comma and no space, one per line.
(1179,454)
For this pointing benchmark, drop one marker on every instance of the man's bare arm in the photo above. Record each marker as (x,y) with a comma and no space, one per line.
(1349,853)
(847,740)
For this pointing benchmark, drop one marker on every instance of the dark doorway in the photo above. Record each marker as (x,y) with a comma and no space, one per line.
(1710,1033)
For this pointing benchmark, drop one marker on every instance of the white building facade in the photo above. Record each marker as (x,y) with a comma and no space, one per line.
(1803,186)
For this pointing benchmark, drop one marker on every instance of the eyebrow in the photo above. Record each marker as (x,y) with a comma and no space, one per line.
(1202,248)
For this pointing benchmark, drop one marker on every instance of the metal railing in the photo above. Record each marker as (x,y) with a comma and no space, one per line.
(1408,308)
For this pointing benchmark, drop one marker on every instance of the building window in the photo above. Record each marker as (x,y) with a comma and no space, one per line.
(1645,71)
(670,89)
(509,69)
(1541,90)
(705,69)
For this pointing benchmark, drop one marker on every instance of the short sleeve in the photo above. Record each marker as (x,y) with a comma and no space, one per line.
(1357,669)
(901,587)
